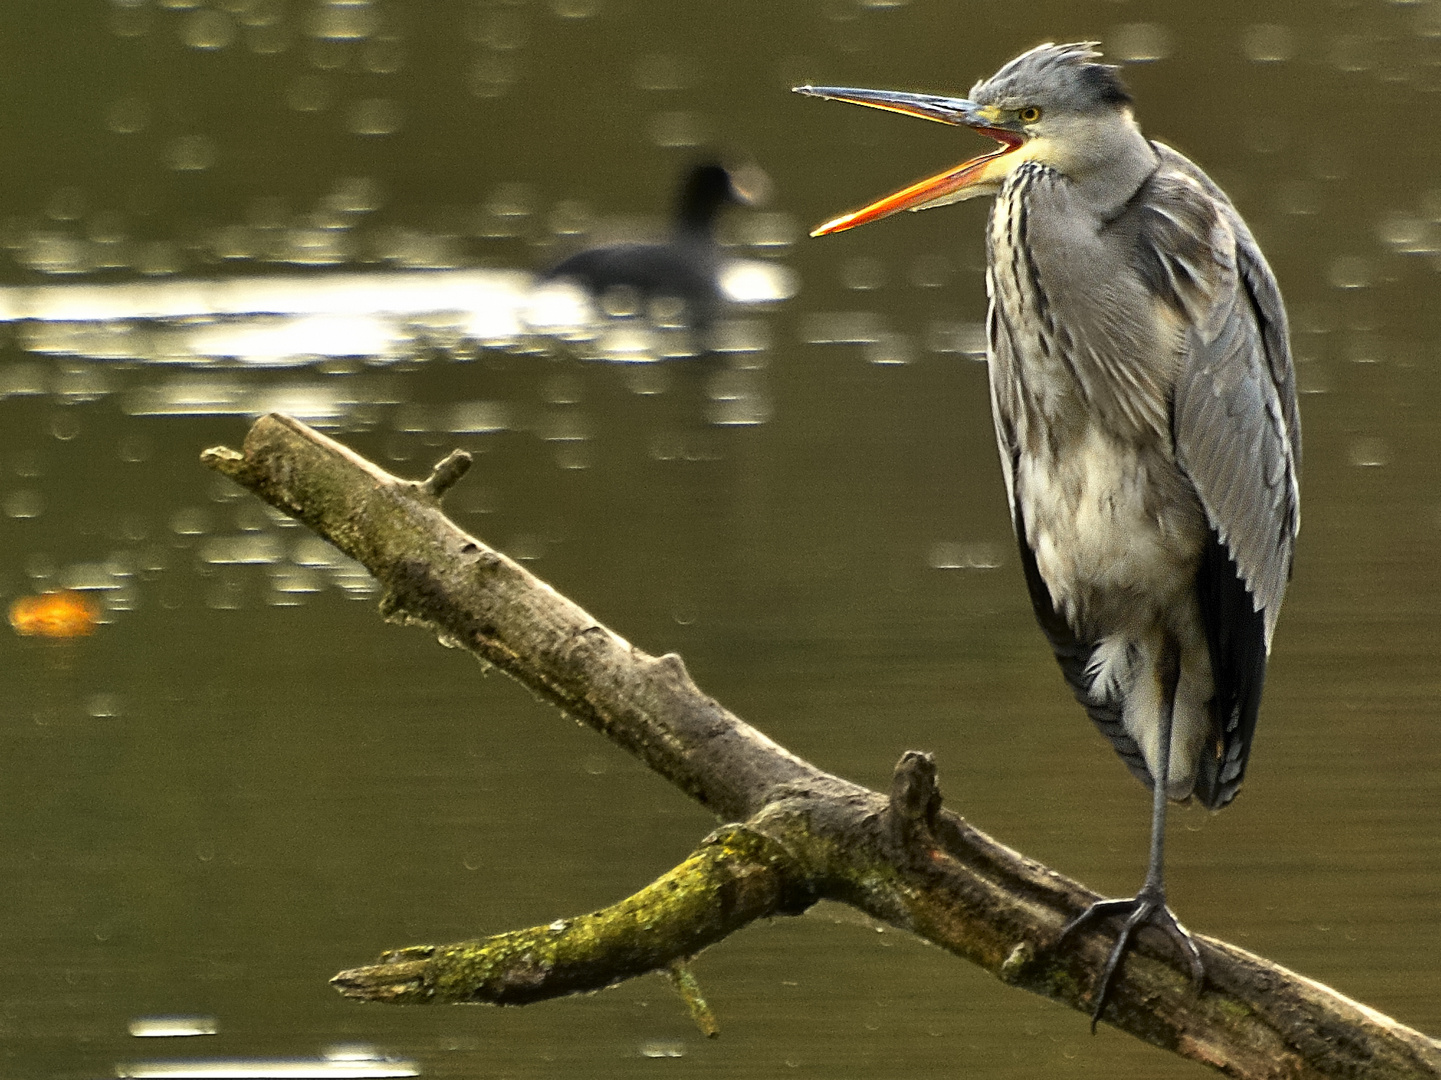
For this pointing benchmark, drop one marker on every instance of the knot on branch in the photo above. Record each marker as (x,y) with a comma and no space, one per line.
(1017,964)
(745,852)
(446,473)
(915,802)
(671,667)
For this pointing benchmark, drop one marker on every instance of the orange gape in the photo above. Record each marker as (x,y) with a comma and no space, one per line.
(55,615)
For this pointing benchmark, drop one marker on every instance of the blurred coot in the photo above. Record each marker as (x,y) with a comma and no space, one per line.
(686,267)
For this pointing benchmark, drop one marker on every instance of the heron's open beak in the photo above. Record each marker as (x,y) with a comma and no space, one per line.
(965,180)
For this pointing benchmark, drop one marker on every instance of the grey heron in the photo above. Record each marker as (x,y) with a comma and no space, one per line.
(1145,408)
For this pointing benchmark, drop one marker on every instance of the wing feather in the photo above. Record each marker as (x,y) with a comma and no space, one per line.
(1237,437)
(1235,423)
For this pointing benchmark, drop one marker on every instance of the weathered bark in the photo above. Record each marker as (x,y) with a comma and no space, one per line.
(803,835)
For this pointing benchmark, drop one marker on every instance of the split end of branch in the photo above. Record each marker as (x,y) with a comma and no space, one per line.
(396,982)
(226,461)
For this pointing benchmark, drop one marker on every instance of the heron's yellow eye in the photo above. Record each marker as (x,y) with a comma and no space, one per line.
(1030,114)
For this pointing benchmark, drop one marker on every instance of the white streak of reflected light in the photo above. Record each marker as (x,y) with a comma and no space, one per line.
(266,1069)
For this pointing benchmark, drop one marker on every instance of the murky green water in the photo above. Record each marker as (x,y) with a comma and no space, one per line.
(244,781)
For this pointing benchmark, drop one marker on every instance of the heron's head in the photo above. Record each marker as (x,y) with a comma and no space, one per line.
(1055,104)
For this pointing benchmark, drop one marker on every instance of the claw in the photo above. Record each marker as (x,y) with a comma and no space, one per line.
(1149,905)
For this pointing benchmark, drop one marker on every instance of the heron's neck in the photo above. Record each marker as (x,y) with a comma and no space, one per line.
(1108,161)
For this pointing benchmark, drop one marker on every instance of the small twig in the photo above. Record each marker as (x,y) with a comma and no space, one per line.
(683,979)
(446,472)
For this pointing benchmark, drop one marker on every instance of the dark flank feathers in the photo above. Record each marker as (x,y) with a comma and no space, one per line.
(1236,637)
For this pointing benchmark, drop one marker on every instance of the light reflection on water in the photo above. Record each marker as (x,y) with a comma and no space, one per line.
(279,321)
(182,348)
(170,1027)
(338,1063)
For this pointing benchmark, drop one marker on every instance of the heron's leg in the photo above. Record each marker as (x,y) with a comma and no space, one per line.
(1148,905)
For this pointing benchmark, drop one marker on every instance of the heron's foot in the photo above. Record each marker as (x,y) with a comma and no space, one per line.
(1148,905)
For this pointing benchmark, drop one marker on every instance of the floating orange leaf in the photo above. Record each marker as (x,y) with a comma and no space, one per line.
(55,615)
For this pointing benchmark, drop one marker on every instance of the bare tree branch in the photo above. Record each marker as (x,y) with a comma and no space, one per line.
(803,834)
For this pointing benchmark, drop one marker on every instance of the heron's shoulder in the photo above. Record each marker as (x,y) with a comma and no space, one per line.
(1173,163)
(1179,184)
(1255,277)
(1180,236)
(1178,201)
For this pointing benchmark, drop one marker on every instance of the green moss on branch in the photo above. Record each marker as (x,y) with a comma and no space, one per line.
(737,875)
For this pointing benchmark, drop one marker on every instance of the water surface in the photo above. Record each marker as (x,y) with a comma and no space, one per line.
(244,781)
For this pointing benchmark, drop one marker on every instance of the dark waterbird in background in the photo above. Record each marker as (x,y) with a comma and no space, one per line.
(684,268)
(1145,408)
